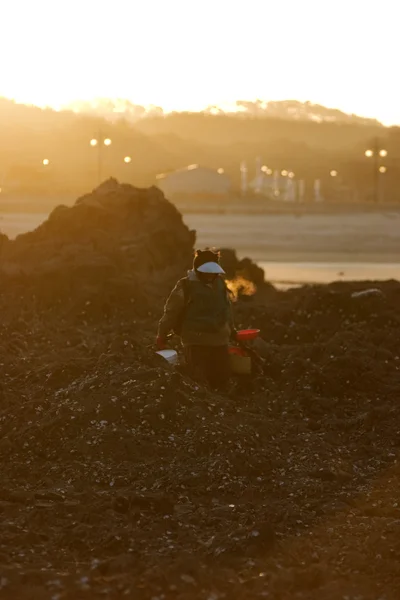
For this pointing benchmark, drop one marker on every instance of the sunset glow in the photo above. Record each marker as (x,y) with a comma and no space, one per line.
(157,53)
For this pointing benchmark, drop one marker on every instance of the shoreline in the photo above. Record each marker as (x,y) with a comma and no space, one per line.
(232,205)
(331,258)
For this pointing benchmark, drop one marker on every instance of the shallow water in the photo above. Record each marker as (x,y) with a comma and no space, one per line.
(289,274)
(354,238)
(13,224)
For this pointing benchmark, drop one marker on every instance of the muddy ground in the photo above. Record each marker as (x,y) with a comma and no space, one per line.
(121,477)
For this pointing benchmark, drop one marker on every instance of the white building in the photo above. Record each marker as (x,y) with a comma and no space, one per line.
(194,180)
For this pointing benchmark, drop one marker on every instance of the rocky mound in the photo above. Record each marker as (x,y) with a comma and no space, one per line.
(117,246)
(115,228)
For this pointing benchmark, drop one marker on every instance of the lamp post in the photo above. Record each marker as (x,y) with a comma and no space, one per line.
(286,173)
(266,170)
(127,161)
(100,142)
(333,174)
(46,173)
(376,153)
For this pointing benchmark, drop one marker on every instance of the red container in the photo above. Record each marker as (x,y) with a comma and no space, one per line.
(247,334)
(239,361)
(237,351)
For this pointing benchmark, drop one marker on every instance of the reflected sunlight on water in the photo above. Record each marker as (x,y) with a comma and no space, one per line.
(288,274)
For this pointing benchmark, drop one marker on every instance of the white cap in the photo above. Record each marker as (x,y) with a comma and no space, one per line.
(211,267)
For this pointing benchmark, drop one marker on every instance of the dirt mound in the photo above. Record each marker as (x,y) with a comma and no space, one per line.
(339,342)
(244,268)
(117,246)
(116,227)
(117,469)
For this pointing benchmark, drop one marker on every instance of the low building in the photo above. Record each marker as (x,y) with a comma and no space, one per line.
(194,180)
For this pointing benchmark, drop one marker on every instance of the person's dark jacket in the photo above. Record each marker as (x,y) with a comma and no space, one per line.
(202,312)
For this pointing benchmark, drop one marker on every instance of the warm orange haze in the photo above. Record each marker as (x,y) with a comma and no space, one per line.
(199,300)
(185,58)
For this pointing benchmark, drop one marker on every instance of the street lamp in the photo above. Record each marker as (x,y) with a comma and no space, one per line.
(333,173)
(377,153)
(100,141)
(284,173)
(127,160)
(266,170)
(45,162)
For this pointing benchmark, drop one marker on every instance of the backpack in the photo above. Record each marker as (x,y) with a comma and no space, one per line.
(186,295)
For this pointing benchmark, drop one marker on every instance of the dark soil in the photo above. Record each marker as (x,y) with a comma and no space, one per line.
(122,478)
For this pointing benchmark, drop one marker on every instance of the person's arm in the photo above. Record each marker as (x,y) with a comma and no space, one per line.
(172,312)
(231,319)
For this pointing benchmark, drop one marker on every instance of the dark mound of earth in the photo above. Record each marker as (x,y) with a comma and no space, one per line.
(117,246)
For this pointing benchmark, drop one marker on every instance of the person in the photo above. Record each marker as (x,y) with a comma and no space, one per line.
(199,310)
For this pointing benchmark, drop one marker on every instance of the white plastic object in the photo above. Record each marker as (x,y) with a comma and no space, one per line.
(211,267)
(366,293)
(170,356)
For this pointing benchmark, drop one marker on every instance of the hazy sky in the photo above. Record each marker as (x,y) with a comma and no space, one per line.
(182,54)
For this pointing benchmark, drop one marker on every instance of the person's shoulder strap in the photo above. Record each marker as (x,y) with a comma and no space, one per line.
(185,287)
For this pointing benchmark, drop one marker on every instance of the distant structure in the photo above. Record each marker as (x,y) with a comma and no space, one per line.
(274,186)
(259,176)
(317,191)
(301,190)
(194,180)
(291,190)
(243,178)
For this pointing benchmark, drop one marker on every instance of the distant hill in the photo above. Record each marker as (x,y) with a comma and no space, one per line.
(113,110)
(291,110)
(262,132)
(310,142)
(285,109)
